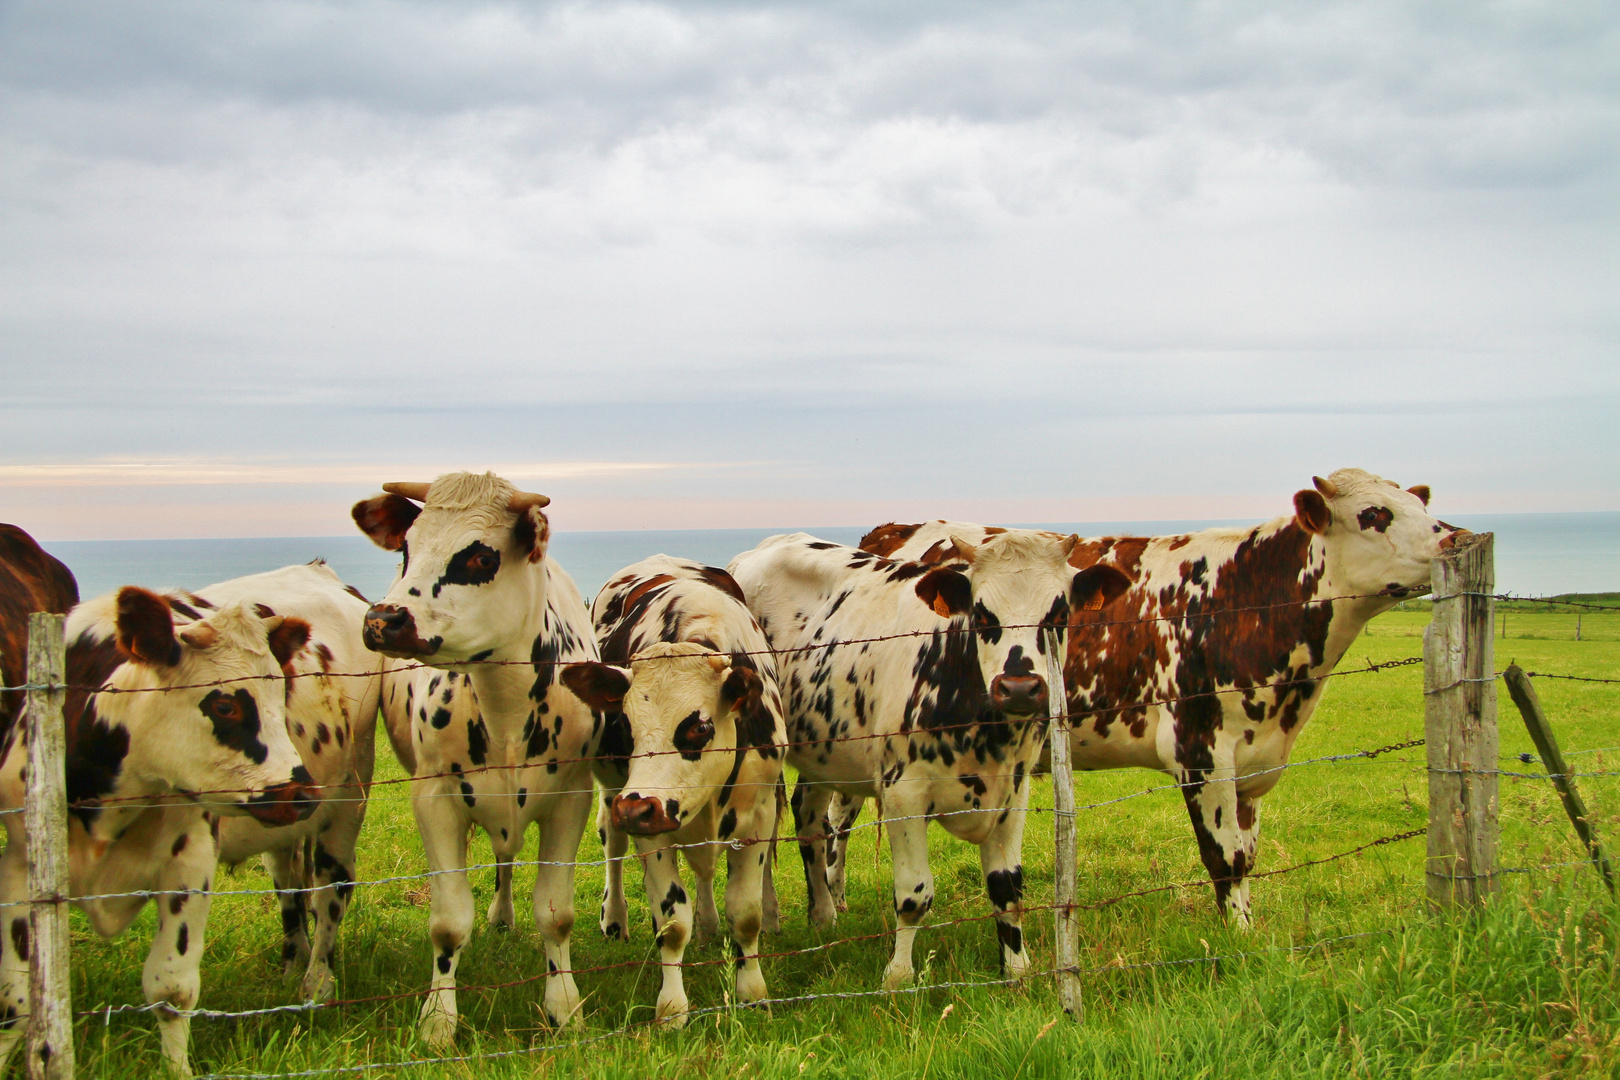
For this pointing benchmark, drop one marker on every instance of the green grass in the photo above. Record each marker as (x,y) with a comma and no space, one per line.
(1527,990)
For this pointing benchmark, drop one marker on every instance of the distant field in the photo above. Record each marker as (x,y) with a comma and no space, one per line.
(1528,991)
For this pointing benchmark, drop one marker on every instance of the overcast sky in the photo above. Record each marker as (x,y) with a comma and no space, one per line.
(727,264)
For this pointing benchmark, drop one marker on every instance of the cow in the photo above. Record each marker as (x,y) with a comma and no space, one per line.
(1213,662)
(920,686)
(331,709)
(151,776)
(478,596)
(30,580)
(694,759)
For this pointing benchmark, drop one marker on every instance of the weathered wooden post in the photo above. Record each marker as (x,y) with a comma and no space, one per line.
(1459,688)
(50,1001)
(1067,845)
(1529,702)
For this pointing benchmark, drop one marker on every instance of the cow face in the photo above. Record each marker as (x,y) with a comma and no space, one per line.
(1380,539)
(1015,585)
(683,703)
(466,583)
(226,746)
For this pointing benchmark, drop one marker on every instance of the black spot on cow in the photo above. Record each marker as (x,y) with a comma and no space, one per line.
(441,718)
(1376,518)
(467,794)
(986,623)
(728,822)
(475,564)
(236,723)
(179,844)
(1011,938)
(481,656)
(1006,887)
(19,937)
(692,734)
(477,740)
(523,796)
(182,940)
(675,895)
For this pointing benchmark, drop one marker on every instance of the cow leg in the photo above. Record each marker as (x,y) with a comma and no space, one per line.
(913,882)
(334,888)
(745,878)
(558,848)
(286,869)
(809,821)
(1212,804)
(1248,849)
(502,914)
(840,819)
(704,859)
(1000,856)
(672,922)
(450,904)
(13,944)
(171,974)
(771,911)
(615,916)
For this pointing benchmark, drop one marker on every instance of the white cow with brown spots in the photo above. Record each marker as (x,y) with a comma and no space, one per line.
(152,771)
(692,758)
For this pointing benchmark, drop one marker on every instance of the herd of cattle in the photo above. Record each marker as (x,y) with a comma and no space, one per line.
(908,670)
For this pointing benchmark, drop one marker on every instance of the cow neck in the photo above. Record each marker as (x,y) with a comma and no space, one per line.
(1352,611)
(503,688)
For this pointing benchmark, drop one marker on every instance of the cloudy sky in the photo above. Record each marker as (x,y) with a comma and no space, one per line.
(727,264)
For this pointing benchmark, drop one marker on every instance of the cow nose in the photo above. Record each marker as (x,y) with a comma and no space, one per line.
(641,816)
(1018,693)
(284,804)
(1452,539)
(385,623)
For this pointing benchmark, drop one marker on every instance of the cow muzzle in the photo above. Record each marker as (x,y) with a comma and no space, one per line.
(1024,694)
(391,630)
(1454,537)
(288,803)
(641,815)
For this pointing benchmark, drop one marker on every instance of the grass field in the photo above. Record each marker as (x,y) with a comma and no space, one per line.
(1529,989)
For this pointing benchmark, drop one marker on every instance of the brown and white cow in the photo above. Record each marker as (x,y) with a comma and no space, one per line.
(476,584)
(693,759)
(331,709)
(1212,663)
(30,580)
(150,777)
(936,720)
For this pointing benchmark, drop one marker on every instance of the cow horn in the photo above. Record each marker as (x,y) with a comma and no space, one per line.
(964,550)
(525,500)
(199,635)
(1327,487)
(414,492)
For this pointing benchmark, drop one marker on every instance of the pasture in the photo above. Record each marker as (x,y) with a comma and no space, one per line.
(1528,990)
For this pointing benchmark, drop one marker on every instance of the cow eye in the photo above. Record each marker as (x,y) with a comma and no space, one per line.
(693,733)
(226,708)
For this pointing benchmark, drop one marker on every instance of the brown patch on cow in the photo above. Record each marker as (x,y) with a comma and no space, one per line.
(181,608)
(719,579)
(264,611)
(324,655)
(146,627)
(942,552)
(30,580)
(885,540)
(1179,542)
(1245,814)
(386,519)
(288,639)
(531,532)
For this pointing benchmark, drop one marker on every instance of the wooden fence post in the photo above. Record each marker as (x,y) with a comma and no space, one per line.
(1529,702)
(50,994)
(1459,693)
(1066,846)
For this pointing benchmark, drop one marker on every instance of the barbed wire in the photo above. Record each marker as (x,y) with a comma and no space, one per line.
(1024,911)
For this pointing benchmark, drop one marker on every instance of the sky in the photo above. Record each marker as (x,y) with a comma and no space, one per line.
(719,264)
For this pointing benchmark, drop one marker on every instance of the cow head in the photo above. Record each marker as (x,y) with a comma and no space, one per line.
(226,745)
(684,703)
(1014,586)
(1380,538)
(467,583)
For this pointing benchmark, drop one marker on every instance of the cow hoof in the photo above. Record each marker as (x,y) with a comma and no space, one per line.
(840,905)
(615,922)
(823,916)
(501,917)
(436,1027)
(770,922)
(320,985)
(895,976)
(671,1012)
(705,931)
(750,985)
(562,1001)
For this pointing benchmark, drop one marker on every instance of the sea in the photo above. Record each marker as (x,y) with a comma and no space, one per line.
(1536,554)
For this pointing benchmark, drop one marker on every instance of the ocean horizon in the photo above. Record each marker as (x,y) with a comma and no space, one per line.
(1536,554)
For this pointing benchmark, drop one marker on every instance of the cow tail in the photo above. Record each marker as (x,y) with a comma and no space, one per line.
(776,829)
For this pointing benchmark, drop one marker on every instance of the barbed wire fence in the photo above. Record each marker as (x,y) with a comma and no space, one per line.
(1462,762)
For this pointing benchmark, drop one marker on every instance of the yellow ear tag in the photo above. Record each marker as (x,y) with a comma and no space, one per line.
(941,606)
(1094,603)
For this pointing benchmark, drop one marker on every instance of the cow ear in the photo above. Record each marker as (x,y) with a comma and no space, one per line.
(741,689)
(601,686)
(1311,511)
(1095,587)
(532,533)
(287,639)
(946,591)
(146,628)
(1421,491)
(386,519)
